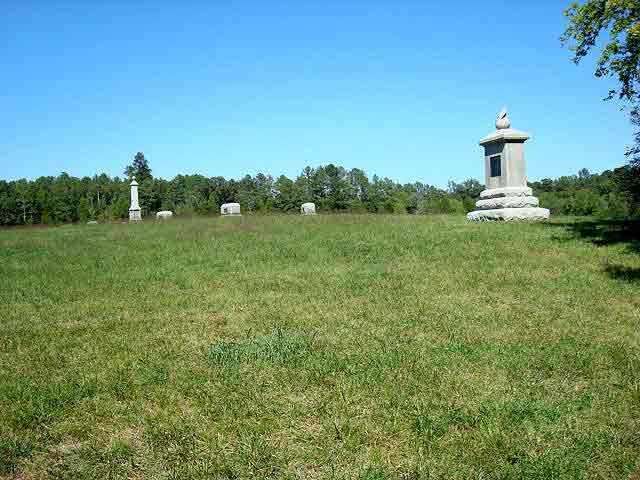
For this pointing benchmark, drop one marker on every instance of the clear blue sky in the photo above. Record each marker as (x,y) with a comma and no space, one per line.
(404,89)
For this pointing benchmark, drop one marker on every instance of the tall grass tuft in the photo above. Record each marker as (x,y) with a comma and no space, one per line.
(279,346)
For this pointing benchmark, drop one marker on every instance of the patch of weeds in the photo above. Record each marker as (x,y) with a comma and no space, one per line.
(394,354)
(12,450)
(138,373)
(41,403)
(262,458)
(386,359)
(120,452)
(457,343)
(346,431)
(374,472)
(432,422)
(427,430)
(624,359)
(279,346)
(522,410)
(329,364)
(170,435)
(115,460)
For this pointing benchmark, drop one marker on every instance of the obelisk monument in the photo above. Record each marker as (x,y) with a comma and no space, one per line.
(134,209)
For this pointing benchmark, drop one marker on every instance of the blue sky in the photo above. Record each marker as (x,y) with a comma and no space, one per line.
(404,89)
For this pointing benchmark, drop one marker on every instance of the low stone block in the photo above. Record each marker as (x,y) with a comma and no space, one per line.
(230,209)
(308,208)
(506,192)
(134,216)
(164,215)
(507,214)
(507,202)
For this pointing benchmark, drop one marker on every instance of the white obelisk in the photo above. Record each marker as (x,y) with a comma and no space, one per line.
(134,209)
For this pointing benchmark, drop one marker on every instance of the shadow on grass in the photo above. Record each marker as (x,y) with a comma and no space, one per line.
(607,232)
(621,272)
(604,232)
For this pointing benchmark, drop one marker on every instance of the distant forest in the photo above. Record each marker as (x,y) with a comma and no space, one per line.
(50,200)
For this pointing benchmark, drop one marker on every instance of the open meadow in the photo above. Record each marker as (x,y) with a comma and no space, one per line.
(334,346)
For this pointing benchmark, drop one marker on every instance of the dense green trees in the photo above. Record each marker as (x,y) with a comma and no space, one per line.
(613,193)
(333,188)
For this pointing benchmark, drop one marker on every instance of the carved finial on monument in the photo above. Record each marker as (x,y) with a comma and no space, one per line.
(503,121)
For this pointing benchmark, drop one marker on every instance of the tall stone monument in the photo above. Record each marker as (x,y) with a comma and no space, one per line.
(507,196)
(134,209)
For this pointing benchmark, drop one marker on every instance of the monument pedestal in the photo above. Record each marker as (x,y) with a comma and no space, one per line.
(134,216)
(525,213)
(510,203)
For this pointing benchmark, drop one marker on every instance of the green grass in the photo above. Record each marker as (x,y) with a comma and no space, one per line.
(367,347)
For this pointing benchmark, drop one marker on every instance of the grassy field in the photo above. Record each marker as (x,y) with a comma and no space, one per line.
(367,347)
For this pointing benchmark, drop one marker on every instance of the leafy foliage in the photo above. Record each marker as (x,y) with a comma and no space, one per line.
(611,194)
(332,188)
(620,56)
(139,168)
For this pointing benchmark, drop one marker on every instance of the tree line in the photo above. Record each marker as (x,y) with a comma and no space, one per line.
(61,199)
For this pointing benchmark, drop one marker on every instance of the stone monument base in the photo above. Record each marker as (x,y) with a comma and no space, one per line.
(525,213)
(508,203)
(134,216)
(506,192)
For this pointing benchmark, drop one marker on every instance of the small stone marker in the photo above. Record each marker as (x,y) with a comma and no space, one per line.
(308,208)
(507,196)
(92,222)
(230,209)
(164,215)
(134,209)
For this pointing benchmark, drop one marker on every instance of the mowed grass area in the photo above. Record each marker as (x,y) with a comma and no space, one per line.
(339,347)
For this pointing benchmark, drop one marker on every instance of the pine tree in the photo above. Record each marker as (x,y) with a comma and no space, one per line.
(139,168)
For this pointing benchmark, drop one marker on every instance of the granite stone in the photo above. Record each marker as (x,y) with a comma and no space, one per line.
(164,215)
(308,208)
(507,196)
(507,202)
(230,209)
(527,213)
(506,192)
